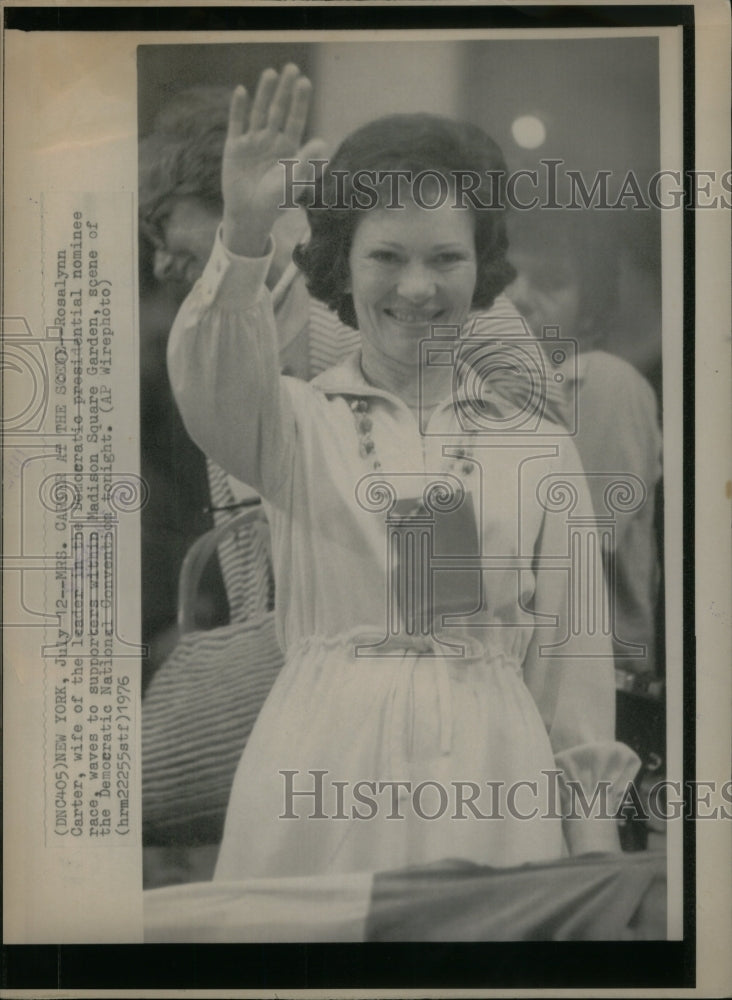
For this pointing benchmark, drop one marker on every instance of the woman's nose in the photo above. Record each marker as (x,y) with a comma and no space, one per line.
(416,283)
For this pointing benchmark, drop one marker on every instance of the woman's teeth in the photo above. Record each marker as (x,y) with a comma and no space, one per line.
(411,317)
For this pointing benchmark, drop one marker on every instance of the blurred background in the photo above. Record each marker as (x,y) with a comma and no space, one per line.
(592,103)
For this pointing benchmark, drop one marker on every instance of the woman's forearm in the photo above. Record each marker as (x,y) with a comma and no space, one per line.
(248,237)
(224,371)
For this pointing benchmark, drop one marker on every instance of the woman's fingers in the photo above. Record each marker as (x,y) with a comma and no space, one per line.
(262,99)
(280,104)
(238,113)
(295,123)
(282,99)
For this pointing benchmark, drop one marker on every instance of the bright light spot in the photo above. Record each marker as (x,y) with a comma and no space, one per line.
(528,131)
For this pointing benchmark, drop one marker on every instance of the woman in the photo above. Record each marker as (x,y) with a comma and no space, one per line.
(354,724)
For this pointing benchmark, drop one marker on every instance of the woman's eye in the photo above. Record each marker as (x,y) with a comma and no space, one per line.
(448,257)
(384,256)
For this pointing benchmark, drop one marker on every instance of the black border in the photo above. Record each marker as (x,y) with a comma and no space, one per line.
(510,965)
(331,17)
(540,965)
(688,525)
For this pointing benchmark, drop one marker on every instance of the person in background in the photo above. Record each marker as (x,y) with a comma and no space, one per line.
(569,271)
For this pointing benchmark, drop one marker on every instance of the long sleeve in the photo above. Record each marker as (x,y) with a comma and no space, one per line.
(569,666)
(224,369)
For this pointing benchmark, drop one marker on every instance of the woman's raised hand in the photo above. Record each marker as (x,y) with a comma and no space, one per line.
(260,134)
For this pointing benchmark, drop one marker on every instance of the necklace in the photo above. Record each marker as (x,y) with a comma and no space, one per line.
(360,407)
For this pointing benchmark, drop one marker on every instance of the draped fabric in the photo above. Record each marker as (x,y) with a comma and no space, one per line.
(592,898)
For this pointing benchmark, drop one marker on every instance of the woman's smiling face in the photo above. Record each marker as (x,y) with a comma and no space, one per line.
(411,268)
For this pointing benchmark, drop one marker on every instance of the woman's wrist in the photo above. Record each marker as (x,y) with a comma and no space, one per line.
(246,239)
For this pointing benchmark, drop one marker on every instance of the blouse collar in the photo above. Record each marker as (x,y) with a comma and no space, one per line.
(502,393)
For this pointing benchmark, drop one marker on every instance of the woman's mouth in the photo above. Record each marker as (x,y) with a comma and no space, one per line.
(411,317)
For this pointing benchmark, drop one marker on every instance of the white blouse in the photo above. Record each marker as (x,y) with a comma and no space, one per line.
(543,607)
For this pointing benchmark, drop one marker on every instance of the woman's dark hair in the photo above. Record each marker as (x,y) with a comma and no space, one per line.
(415,143)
